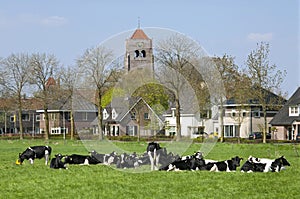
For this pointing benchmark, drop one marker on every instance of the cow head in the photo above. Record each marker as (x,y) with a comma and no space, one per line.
(252,159)
(236,161)
(284,161)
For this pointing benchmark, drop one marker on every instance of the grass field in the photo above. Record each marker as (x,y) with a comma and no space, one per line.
(99,181)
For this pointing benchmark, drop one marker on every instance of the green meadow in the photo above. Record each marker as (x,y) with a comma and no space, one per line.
(100,181)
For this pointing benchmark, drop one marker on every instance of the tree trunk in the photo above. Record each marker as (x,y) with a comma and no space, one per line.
(20,123)
(265,124)
(177,114)
(221,123)
(46,124)
(72,130)
(100,123)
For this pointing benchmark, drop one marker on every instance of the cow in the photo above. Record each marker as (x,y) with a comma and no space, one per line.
(58,162)
(128,161)
(154,151)
(191,162)
(34,152)
(78,159)
(253,165)
(274,165)
(226,165)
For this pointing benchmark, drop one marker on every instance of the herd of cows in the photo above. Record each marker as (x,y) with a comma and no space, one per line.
(155,156)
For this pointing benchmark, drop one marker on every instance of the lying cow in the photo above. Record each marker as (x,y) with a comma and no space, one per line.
(34,152)
(226,165)
(58,162)
(274,165)
(193,162)
(253,165)
(78,159)
(128,161)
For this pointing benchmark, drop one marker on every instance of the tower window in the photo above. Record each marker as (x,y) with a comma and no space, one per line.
(143,53)
(136,53)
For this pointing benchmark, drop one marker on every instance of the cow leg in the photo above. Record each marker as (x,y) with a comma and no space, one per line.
(157,162)
(30,160)
(151,160)
(46,157)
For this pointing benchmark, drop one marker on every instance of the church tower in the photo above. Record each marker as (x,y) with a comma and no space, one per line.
(139,52)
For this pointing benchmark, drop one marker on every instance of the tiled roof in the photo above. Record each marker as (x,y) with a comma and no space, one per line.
(282,117)
(139,34)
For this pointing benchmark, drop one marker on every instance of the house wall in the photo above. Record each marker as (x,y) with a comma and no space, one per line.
(280,133)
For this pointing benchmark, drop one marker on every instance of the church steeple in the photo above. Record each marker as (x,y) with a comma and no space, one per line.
(139,52)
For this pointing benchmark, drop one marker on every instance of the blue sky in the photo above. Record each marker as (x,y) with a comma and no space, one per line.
(66,28)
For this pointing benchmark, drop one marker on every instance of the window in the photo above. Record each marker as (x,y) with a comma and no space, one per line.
(294,111)
(114,114)
(136,53)
(146,116)
(25,117)
(37,118)
(231,130)
(131,130)
(133,117)
(105,114)
(256,113)
(53,116)
(233,113)
(143,54)
(85,116)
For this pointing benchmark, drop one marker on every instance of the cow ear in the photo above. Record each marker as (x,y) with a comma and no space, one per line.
(19,154)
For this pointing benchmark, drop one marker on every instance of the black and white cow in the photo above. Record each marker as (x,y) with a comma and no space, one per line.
(192,162)
(78,159)
(34,152)
(58,162)
(107,159)
(226,165)
(271,165)
(253,165)
(128,161)
(154,150)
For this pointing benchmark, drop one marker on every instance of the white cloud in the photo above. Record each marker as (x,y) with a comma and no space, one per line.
(257,37)
(54,21)
(30,19)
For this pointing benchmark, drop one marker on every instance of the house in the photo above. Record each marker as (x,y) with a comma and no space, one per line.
(248,117)
(130,116)
(60,114)
(9,122)
(286,123)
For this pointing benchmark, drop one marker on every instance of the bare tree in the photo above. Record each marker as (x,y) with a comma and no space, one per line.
(44,68)
(228,71)
(15,76)
(265,78)
(98,73)
(67,82)
(175,55)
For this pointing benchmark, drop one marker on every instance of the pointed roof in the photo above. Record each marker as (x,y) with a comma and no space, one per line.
(282,117)
(139,34)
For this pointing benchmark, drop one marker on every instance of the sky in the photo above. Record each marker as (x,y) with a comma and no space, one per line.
(66,28)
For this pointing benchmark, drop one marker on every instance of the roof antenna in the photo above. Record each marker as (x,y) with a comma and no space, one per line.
(139,23)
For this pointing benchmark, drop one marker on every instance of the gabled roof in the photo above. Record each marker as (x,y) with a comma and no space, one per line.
(282,117)
(139,34)
(270,98)
(77,103)
(123,112)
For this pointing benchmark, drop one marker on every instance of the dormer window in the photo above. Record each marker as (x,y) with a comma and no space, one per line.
(105,114)
(114,114)
(294,111)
